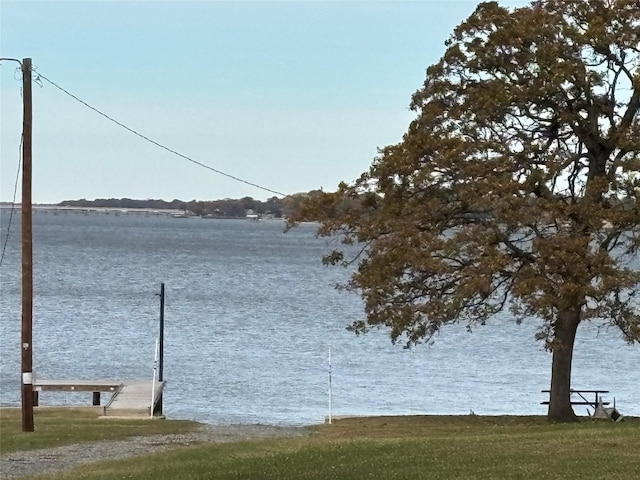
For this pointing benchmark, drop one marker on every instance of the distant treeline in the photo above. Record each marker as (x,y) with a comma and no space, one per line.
(226,208)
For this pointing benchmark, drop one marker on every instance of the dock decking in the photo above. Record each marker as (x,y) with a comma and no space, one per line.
(129,398)
(133,399)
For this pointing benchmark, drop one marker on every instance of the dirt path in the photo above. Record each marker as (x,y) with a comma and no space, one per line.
(51,460)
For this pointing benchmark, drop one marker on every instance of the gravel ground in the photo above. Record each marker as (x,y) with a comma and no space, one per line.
(51,460)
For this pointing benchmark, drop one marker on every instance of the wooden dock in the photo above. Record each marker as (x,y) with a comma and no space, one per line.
(129,398)
(133,399)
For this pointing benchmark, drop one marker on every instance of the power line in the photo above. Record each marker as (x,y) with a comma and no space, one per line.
(15,187)
(39,76)
(13,202)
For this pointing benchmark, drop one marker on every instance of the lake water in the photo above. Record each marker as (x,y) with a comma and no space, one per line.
(250,316)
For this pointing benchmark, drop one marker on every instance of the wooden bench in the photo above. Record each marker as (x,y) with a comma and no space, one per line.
(584,400)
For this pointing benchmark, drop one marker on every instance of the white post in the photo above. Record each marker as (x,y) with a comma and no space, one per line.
(330,391)
(153,381)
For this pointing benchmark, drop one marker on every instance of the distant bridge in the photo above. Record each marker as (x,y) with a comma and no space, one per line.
(60,209)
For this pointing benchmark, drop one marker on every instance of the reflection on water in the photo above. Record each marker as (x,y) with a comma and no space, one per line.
(250,316)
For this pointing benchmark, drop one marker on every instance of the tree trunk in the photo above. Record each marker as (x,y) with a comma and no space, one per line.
(560,409)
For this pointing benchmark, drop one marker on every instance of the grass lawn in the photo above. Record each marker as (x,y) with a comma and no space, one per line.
(466,447)
(62,426)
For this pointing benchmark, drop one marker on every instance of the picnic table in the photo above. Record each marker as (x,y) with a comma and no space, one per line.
(583,400)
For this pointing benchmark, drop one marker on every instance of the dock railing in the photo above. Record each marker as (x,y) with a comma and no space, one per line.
(153,380)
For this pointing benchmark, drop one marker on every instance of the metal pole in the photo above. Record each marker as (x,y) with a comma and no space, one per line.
(27,254)
(161,348)
(330,391)
(161,367)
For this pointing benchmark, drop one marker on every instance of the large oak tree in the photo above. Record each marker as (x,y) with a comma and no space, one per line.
(516,186)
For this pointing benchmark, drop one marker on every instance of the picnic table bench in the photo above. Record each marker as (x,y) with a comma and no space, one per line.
(583,400)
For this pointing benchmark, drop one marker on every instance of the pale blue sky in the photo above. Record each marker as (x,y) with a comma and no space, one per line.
(289,95)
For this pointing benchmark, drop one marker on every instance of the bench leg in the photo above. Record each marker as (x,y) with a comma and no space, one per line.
(96,398)
(36,398)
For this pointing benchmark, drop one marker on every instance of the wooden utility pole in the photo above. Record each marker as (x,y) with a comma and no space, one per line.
(27,254)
